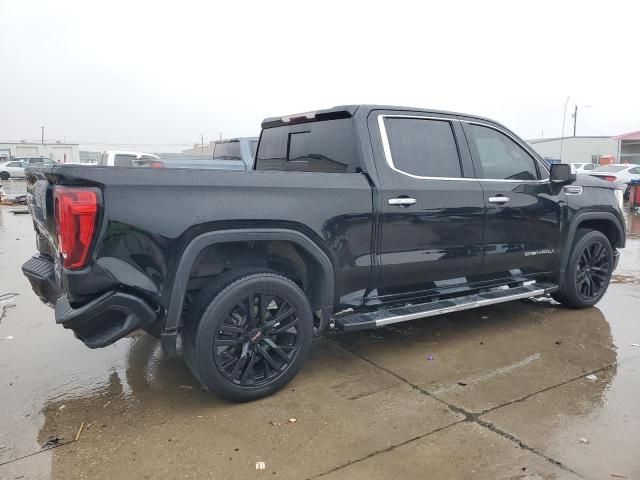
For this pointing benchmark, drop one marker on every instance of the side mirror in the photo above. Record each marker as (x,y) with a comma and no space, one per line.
(561,173)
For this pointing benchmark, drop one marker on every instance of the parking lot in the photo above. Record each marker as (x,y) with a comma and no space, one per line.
(518,390)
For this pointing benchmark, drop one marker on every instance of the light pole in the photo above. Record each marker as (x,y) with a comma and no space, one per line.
(575,117)
(42,135)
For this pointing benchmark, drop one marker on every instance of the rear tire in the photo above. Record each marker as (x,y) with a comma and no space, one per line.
(248,334)
(588,271)
(4,176)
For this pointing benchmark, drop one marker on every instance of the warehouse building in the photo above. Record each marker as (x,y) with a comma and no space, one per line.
(576,149)
(629,147)
(58,151)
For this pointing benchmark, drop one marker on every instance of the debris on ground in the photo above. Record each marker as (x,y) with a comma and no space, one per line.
(617,475)
(5,297)
(585,440)
(634,344)
(293,420)
(10,337)
(462,384)
(558,342)
(52,442)
(186,387)
(62,407)
(20,212)
(13,199)
(591,377)
(79,432)
(429,357)
(3,311)
(484,317)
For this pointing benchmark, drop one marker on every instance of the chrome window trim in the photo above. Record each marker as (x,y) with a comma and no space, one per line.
(389,159)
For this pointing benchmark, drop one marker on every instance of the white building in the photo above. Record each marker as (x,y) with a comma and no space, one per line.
(58,151)
(577,149)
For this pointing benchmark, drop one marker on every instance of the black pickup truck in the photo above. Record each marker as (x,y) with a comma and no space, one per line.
(354,217)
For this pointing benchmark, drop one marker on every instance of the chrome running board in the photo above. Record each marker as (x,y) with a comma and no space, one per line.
(379,318)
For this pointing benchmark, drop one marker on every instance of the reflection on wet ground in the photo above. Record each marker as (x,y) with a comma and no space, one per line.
(521,390)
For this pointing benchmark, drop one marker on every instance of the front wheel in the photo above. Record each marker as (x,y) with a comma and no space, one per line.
(588,271)
(4,176)
(248,339)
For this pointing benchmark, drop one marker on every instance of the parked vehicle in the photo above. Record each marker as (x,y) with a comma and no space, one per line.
(119,158)
(236,149)
(231,154)
(355,217)
(617,172)
(582,167)
(15,168)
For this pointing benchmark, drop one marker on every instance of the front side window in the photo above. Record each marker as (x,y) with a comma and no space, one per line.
(423,147)
(499,156)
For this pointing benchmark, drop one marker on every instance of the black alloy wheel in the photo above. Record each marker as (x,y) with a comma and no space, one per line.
(247,334)
(593,270)
(588,270)
(257,340)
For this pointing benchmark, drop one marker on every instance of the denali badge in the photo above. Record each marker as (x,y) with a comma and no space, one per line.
(546,251)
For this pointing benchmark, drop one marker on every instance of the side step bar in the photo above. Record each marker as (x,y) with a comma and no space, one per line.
(379,318)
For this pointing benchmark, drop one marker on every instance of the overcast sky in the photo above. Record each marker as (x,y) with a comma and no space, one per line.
(163,73)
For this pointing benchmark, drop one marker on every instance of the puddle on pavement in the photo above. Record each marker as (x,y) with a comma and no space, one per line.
(51,382)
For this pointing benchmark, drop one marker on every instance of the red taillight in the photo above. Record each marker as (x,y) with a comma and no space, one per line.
(610,178)
(156,164)
(76,215)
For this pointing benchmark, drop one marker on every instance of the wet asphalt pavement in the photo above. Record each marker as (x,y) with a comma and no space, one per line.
(523,390)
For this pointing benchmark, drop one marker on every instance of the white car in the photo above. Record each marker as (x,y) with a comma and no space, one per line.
(113,158)
(582,167)
(15,168)
(12,168)
(617,172)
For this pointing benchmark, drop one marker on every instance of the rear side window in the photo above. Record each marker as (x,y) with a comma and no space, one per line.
(422,147)
(589,166)
(500,157)
(328,146)
(14,164)
(123,160)
(227,151)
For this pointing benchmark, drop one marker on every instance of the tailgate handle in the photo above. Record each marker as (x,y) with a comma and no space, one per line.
(499,199)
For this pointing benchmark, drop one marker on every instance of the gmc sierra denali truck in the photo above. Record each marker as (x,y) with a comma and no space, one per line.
(354,217)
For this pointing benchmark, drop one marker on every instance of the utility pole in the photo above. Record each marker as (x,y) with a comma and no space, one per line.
(42,135)
(202,143)
(575,119)
(220,135)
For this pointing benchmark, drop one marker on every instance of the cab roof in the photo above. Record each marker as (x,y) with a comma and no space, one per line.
(349,111)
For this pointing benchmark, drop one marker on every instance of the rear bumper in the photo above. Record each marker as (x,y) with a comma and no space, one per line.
(97,323)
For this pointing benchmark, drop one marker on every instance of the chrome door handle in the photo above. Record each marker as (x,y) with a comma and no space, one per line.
(402,202)
(499,199)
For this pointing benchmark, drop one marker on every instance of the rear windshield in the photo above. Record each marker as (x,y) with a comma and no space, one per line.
(227,151)
(610,168)
(328,147)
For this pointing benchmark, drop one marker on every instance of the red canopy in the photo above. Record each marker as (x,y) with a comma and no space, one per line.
(628,136)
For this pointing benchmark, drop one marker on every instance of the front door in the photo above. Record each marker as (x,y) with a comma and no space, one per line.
(431,206)
(523,208)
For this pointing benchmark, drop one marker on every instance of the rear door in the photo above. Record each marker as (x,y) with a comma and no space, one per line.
(523,208)
(431,206)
